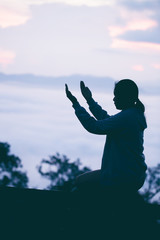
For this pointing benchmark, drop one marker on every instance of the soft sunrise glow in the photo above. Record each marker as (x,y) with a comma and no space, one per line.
(10,16)
(139,68)
(132,26)
(156,65)
(118,43)
(6,57)
(17,12)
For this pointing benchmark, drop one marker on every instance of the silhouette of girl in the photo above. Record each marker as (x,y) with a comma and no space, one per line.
(123,162)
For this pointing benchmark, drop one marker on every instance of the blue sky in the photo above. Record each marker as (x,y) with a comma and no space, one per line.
(104,38)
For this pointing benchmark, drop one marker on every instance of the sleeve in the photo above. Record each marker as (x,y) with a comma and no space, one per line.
(102,127)
(97,110)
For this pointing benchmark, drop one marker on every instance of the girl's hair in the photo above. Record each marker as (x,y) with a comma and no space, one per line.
(140,105)
(128,89)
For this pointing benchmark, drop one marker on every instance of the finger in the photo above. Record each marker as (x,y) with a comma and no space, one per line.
(68,93)
(66,88)
(82,85)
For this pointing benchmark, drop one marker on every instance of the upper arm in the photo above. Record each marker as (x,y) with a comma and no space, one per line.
(109,125)
(97,110)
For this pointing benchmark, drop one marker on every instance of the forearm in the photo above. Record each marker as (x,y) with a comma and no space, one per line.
(84,117)
(88,122)
(97,110)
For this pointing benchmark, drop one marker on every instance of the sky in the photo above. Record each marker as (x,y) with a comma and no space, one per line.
(115,38)
(103,38)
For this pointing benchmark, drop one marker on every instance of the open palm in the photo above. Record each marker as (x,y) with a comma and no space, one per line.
(86,92)
(72,98)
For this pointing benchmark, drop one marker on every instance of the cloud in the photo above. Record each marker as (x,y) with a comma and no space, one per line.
(132,26)
(139,68)
(156,65)
(141,4)
(11,15)
(141,46)
(17,12)
(6,57)
(58,40)
(136,28)
(62,40)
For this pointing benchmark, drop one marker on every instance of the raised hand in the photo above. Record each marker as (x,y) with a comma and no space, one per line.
(87,94)
(69,95)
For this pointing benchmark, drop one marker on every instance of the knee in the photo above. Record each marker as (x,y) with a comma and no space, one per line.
(82,178)
(78,180)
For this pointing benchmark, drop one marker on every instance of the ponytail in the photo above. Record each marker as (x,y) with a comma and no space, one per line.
(140,105)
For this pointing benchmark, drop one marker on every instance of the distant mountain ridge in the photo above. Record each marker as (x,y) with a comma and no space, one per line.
(103,84)
(58,82)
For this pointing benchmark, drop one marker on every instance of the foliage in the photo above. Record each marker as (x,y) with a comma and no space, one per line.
(10,169)
(151,189)
(61,172)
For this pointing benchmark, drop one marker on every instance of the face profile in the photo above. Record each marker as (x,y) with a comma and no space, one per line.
(119,102)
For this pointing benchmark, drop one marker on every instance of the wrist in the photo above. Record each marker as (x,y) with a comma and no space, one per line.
(89,100)
(75,104)
(74,101)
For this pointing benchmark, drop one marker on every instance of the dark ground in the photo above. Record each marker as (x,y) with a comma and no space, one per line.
(40,214)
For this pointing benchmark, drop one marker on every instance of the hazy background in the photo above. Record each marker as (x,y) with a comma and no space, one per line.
(44,44)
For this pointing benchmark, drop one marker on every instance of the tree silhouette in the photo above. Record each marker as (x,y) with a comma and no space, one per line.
(61,172)
(10,169)
(151,189)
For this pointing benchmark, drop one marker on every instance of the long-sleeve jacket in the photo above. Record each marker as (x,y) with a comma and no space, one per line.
(123,160)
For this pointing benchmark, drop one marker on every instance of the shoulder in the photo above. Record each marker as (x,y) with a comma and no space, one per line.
(127,113)
(131,112)
(128,117)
